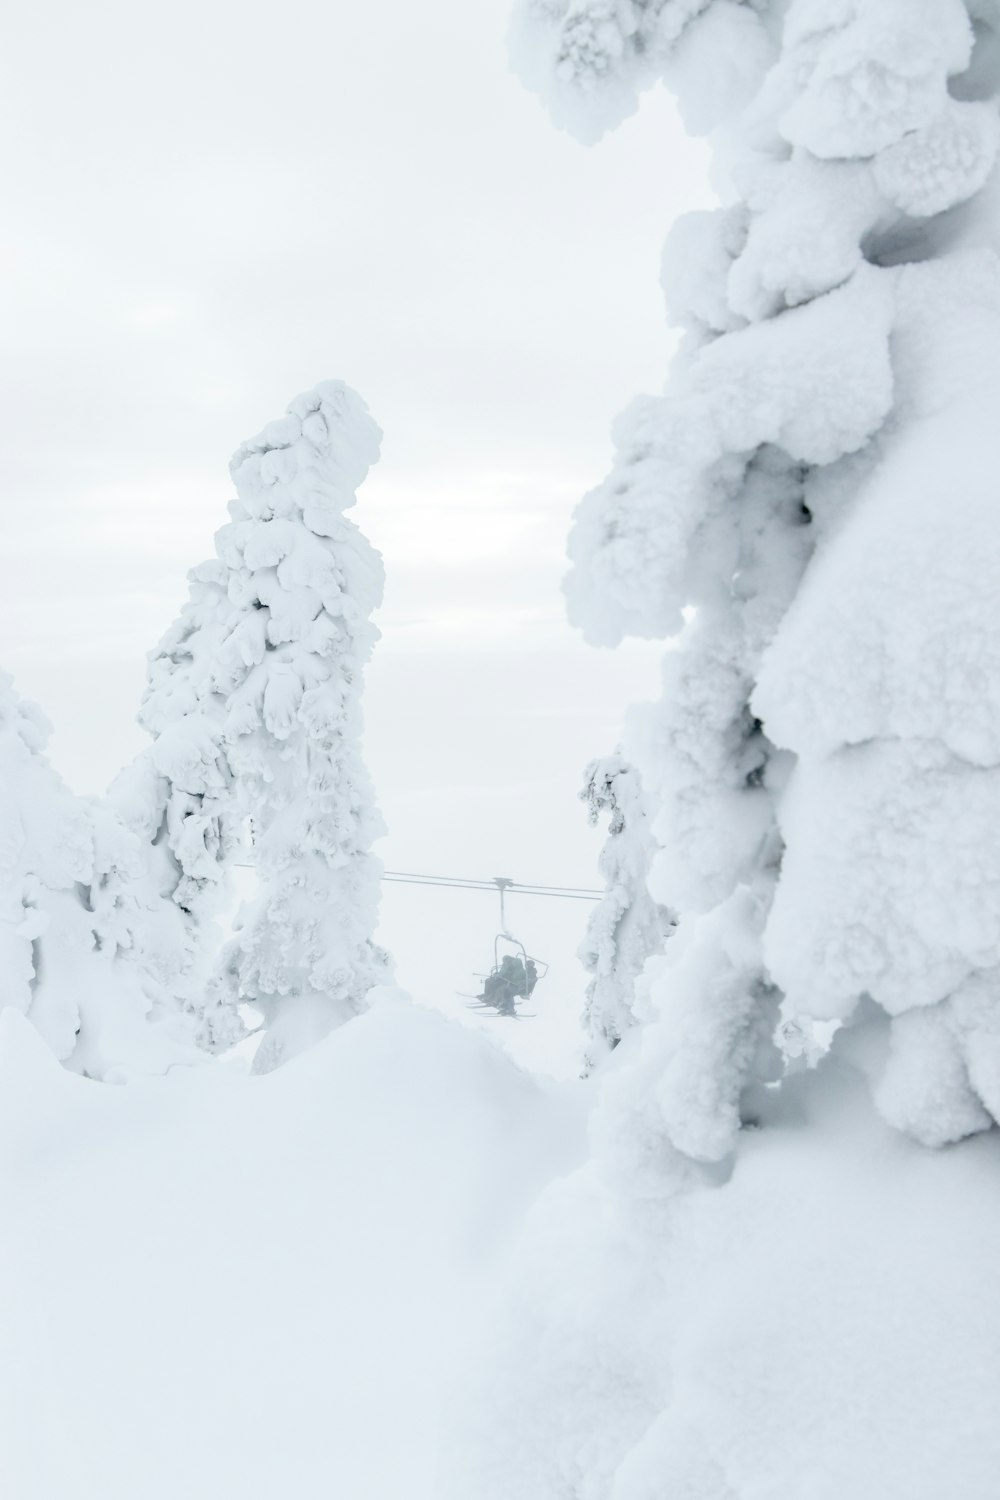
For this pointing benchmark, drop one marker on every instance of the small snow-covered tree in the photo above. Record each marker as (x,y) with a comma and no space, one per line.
(254,699)
(809,508)
(88,946)
(627,927)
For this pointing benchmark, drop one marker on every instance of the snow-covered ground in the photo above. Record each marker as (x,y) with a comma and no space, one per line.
(219,1285)
(384,1272)
(822,1324)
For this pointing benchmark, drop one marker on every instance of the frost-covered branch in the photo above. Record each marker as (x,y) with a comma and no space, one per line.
(627,927)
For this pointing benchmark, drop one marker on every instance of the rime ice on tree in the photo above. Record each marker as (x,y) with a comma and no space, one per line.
(255,699)
(88,946)
(810,512)
(627,927)
(810,506)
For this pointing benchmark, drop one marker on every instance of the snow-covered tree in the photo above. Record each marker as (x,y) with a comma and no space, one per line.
(809,512)
(627,927)
(254,699)
(88,946)
(810,507)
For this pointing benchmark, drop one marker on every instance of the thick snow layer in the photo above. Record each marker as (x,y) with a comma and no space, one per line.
(809,218)
(821,1325)
(895,634)
(866,72)
(215,1285)
(884,680)
(816,382)
(890,882)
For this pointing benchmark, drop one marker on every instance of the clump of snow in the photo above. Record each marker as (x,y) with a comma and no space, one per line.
(695,267)
(932,169)
(816,382)
(707,762)
(715,66)
(861,74)
(863,653)
(807,223)
(627,927)
(890,878)
(699,1051)
(590,59)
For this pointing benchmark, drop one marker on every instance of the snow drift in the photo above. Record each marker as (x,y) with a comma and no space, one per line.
(218,1285)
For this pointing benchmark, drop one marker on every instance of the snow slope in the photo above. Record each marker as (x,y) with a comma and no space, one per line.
(218,1285)
(823,1324)
(382,1273)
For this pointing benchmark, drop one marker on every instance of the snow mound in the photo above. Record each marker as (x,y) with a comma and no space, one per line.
(822,1324)
(220,1285)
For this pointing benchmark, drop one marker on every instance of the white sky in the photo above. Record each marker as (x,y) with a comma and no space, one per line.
(208,208)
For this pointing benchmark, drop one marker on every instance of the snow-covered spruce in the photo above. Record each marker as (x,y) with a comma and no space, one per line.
(627,927)
(810,512)
(88,945)
(254,699)
(810,505)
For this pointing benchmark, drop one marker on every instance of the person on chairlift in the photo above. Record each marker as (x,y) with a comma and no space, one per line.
(513,980)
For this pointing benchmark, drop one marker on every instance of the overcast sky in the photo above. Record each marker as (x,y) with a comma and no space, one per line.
(209,207)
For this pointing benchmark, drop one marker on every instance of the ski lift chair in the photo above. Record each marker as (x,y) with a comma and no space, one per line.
(515,973)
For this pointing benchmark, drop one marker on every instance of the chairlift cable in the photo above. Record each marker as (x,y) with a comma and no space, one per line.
(438,885)
(472,883)
(516,887)
(507,987)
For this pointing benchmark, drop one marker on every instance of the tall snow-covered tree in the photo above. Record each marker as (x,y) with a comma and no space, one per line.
(809,505)
(88,945)
(809,511)
(627,927)
(254,699)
